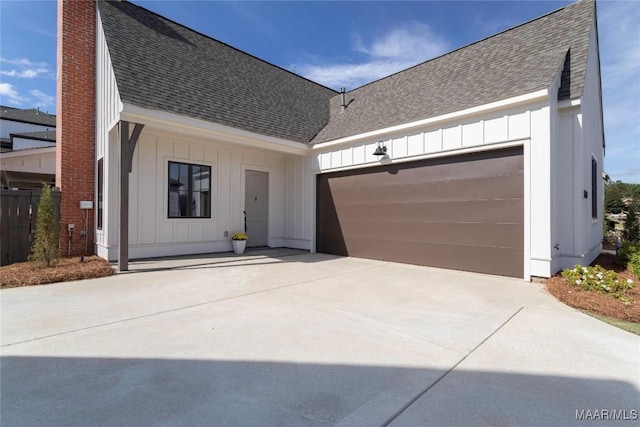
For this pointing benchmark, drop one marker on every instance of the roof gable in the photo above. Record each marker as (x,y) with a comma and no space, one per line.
(161,65)
(517,61)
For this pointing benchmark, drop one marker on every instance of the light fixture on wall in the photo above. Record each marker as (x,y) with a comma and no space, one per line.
(381,150)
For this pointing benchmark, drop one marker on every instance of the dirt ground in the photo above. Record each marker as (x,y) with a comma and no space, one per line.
(26,274)
(599,303)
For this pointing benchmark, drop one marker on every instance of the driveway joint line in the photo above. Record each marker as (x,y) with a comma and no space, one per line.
(423,392)
(183,308)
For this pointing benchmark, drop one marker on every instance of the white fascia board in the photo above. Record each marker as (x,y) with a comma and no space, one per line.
(458,115)
(200,128)
(569,103)
(28,152)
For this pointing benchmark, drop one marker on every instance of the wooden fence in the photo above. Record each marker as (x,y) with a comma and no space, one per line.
(18,213)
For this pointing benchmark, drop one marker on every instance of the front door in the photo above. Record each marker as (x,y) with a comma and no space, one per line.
(256,205)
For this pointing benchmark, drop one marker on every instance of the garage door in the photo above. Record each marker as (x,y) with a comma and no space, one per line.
(464,212)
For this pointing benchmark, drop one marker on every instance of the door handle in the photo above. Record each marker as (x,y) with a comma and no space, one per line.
(245,220)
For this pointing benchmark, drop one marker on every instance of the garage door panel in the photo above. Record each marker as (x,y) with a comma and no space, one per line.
(474,234)
(503,261)
(472,201)
(482,188)
(489,211)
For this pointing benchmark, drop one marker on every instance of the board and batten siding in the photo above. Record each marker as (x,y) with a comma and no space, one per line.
(108,108)
(152,233)
(492,129)
(579,137)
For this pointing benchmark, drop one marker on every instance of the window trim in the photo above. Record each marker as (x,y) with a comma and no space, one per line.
(100,195)
(190,190)
(594,188)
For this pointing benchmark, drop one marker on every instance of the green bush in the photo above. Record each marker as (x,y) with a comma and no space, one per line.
(634,263)
(631,232)
(44,252)
(598,279)
(627,250)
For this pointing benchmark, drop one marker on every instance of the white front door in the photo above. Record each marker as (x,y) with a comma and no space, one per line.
(256,205)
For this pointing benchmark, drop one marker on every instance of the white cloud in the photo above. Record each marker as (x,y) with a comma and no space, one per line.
(24,68)
(7,90)
(42,99)
(394,51)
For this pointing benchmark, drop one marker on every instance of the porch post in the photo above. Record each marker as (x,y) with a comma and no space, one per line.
(127,148)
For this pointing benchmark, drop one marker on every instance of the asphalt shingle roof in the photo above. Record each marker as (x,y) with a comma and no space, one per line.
(33,116)
(517,61)
(165,66)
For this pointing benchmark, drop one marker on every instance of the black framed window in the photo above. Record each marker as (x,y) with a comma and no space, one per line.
(100,192)
(594,188)
(189,191)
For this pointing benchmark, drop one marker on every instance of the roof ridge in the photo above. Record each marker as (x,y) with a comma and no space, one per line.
(473,43)
(221,42)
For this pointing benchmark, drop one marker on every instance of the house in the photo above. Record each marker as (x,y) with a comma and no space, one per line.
(487,158)
(27,151)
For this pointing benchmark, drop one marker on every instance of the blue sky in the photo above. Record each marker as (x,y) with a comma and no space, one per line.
(346,44)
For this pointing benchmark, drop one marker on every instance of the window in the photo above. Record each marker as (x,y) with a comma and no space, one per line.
(100,191)
(594,188)
(189,191)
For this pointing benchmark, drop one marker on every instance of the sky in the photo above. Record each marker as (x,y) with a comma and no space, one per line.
(340,43)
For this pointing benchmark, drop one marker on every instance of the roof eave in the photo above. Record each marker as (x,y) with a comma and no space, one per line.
(537,96)
(171,122)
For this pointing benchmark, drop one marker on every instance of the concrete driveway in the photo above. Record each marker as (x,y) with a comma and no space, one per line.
(280,337)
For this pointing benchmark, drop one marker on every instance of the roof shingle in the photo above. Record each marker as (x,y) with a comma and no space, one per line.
(165,66)
(33,116)
(517,61)
(161,65)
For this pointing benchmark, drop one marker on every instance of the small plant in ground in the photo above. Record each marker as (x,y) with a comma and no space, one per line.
(44,252)
(634,263)
(600,280)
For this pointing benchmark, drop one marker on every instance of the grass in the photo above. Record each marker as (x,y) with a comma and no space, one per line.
(69,268)
(603,307)
(632,327)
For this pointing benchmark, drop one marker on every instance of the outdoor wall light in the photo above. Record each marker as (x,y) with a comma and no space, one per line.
(381,150)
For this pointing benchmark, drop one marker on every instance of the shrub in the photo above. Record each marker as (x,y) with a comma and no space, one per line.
(627,250)
(631,232)
(600,280)
(239,236)
(634,263)
(44,252)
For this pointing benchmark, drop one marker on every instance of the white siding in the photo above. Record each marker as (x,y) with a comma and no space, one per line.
(578,137)
(494,128)
(108,108)
(7,127)
(152,233)
(27,143)
(42,160)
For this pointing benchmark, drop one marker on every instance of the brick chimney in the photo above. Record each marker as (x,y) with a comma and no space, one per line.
(75,122)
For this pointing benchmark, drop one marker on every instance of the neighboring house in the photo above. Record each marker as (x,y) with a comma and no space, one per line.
(493,158)
(28,153)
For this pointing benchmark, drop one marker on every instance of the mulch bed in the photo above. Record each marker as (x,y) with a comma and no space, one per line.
(599,303)
(27,274)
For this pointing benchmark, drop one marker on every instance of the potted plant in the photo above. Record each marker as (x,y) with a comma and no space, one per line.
(239,242)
